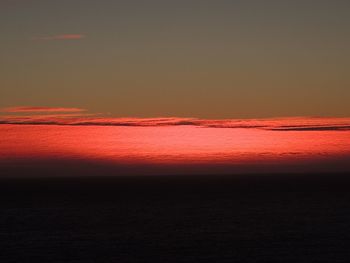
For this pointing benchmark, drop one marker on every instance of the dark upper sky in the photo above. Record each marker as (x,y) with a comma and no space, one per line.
(208,59)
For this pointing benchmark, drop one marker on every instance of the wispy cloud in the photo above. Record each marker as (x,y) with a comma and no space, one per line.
(31,109)
(77,116)
(61,37)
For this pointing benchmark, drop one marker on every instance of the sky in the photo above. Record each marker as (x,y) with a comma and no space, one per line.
(202,59)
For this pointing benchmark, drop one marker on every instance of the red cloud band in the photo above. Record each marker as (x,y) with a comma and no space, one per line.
(77,116)
(61,37)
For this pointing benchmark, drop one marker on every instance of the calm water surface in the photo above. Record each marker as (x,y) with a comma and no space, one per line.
(220,149)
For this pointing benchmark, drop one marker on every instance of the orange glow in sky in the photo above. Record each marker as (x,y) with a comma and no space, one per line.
(203,149)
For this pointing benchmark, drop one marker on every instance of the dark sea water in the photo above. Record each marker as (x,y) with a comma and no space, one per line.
(251,218)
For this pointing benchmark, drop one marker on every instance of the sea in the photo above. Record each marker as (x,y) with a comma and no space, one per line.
(173,194)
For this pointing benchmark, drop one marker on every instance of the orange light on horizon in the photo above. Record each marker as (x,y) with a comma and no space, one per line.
(177,146)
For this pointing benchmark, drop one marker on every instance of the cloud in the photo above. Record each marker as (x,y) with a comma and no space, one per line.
(314,128)
(79,117)
(30,109)
(92,120)
(283,124)
(323,124)
(172,121)
(61,37)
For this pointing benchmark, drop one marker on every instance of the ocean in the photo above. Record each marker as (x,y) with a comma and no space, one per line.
(173,194)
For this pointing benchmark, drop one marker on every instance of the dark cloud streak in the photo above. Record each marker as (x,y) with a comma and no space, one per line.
(81,120)
(39,115)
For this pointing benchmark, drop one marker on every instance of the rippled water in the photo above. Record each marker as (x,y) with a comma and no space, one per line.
(210,150)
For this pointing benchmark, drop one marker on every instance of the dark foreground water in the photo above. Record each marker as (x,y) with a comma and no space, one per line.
(290,218)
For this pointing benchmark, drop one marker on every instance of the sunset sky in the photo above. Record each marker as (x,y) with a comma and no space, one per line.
(202,59)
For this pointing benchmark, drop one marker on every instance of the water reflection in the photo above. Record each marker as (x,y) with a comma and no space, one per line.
(232,150)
